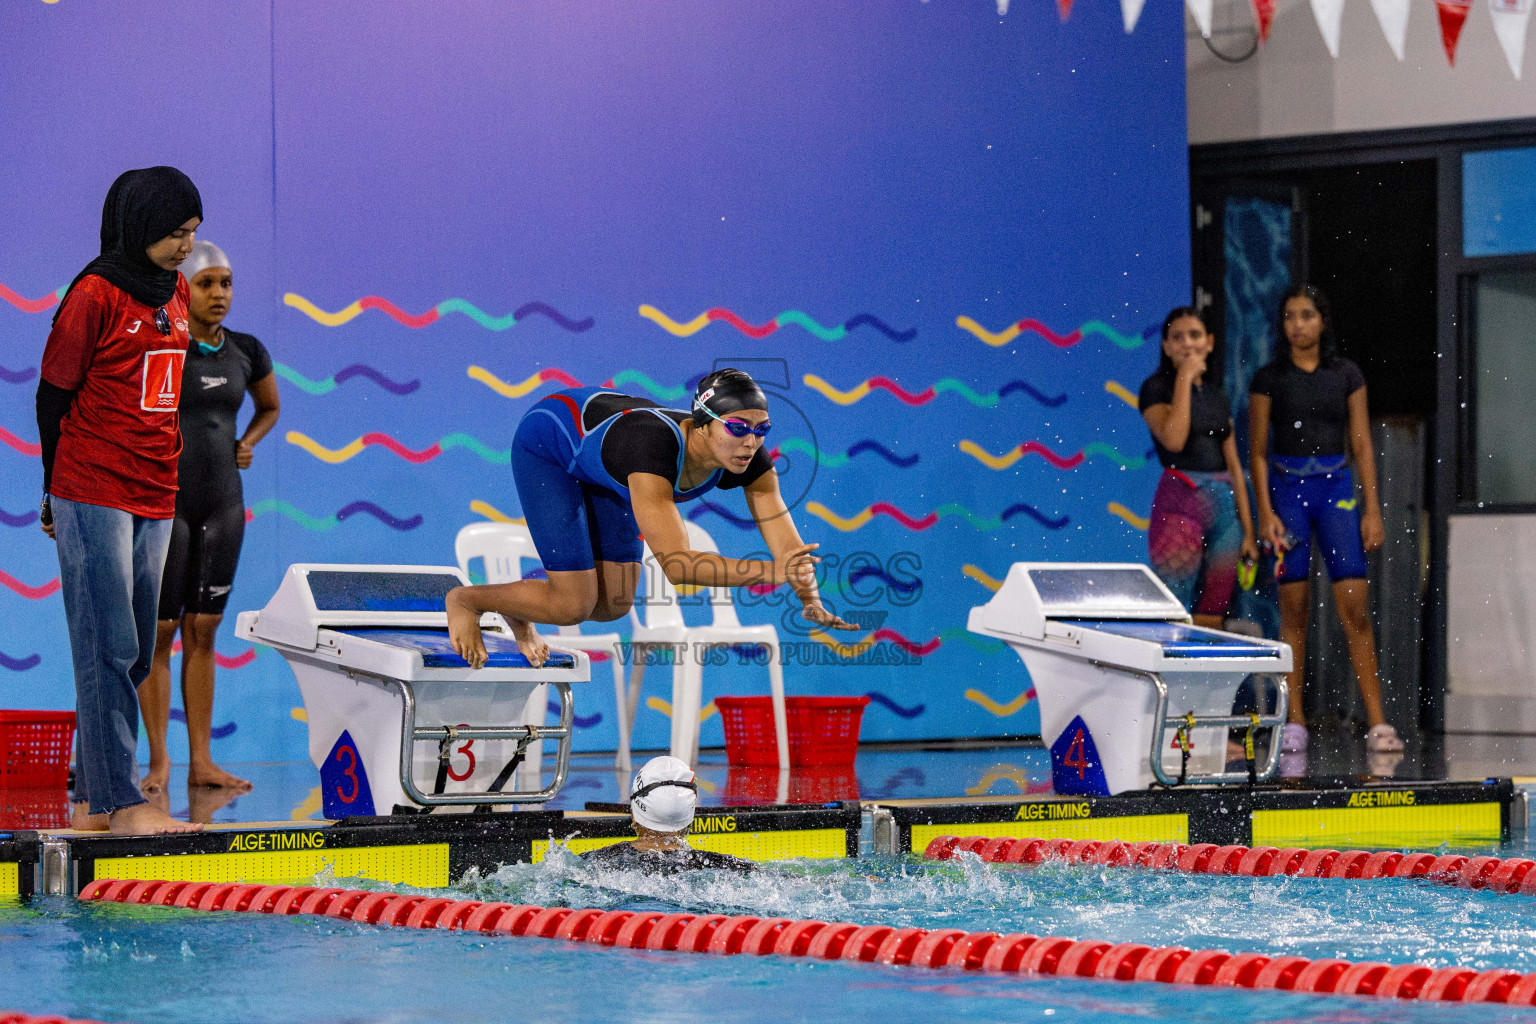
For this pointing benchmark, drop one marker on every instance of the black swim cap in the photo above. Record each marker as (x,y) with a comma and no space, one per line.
(726,391)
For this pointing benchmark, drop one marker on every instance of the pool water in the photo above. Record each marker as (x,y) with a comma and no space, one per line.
(146,964)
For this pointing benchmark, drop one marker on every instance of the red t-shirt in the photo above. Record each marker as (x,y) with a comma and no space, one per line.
(119,444)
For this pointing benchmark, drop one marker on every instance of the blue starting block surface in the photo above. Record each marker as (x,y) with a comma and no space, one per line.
(1177,639)
(437,652)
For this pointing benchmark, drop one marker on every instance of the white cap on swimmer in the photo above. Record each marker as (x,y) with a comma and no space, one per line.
(203,255)
(663,795)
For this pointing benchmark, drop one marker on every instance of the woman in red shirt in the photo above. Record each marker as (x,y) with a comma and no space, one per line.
(107,415)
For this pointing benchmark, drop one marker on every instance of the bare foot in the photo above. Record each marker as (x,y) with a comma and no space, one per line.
(211,775)
(533,646)
(82,820)
(157,779)
(147,820)
(464,627)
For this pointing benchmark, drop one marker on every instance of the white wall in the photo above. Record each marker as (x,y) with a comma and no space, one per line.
(1491,631)
(1293,87)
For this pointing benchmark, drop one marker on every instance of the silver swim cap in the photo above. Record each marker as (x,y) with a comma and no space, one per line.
(663,795)
(204,255)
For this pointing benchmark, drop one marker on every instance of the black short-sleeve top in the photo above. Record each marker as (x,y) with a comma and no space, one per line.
(1210,423)
(1309,411)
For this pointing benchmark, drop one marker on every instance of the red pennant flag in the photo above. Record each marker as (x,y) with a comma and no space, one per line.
(1065,8)
(1453,15)
(1264,14)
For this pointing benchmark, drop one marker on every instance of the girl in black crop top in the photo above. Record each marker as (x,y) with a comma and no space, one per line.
(1200,523)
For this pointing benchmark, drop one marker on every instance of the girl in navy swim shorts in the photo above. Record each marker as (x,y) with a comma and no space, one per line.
(597,470)
(1315,402)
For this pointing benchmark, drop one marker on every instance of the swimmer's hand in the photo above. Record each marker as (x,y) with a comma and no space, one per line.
(797,567)
(464,628)
(244,451)
(817,613)
(1373,531)
(1273,530)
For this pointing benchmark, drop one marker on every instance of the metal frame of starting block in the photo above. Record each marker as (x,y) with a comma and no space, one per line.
(368,644)
(1086,630)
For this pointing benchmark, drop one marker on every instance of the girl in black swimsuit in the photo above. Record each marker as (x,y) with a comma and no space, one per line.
(221,367)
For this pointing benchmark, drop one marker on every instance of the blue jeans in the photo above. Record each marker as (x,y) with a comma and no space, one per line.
(110,562)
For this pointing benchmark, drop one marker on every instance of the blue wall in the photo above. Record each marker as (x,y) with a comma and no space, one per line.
(1498,215)
(883,169)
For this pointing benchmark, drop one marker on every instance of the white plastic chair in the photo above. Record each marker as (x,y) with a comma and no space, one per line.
(663,624)
(503,546)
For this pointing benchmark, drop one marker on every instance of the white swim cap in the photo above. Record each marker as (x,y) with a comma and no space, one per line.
(662,796)
(204,255)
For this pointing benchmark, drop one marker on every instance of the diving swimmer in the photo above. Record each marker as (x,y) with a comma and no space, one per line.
(662,799)
(597,470)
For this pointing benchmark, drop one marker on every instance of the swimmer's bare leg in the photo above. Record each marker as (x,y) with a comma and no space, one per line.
(564,599)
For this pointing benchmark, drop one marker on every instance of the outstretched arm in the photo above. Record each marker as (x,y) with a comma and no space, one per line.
(778,530)
(268,405)
(663,530)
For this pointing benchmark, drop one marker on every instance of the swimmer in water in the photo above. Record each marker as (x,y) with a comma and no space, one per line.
(597,470)
(662,799)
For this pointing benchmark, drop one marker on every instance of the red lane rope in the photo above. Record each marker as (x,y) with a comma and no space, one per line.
(13,1017)
(904,947)
(1492,873)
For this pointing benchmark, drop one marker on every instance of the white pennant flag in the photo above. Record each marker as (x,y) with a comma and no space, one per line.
(1328,14)
(1392,15)
(1509,20)
(1130,13)
(1201,9)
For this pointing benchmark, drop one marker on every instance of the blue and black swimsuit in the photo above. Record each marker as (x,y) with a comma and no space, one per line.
(572,456)
(1312,489)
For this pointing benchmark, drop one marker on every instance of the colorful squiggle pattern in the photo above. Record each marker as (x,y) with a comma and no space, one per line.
(1123,393)
(523,387)
(331,383)
(222,660)
(1013,707)
(31,305)
(948,385)
(661,392)
(31,661)
(981,576)
(17,376)
(900,711)
(436,313)
(30,593)
(24,447)
(831,460)
(217,732)
(665,707)
(319,525)
(1139,522)
(860,519)
(339,455)
(1072,461)
(494,514)
(789,316)
(18,519)
(1012,331)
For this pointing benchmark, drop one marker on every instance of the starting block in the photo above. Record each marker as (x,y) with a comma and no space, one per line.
(396,718)
(1131,694)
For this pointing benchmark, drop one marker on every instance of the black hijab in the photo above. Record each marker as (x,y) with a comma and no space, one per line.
(142,207)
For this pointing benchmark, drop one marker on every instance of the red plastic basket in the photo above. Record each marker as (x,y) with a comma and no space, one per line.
(35,808)
(35,747)
(823,731)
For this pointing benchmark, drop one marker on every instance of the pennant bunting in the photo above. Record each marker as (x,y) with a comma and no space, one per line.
(1130,13)
(1392,16)
(1509,21)
(1064,8)
(1264,14)
(1453,15)
(1201,11)
(1329,13)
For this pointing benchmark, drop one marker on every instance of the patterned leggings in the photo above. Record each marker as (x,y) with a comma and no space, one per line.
(1195,538)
